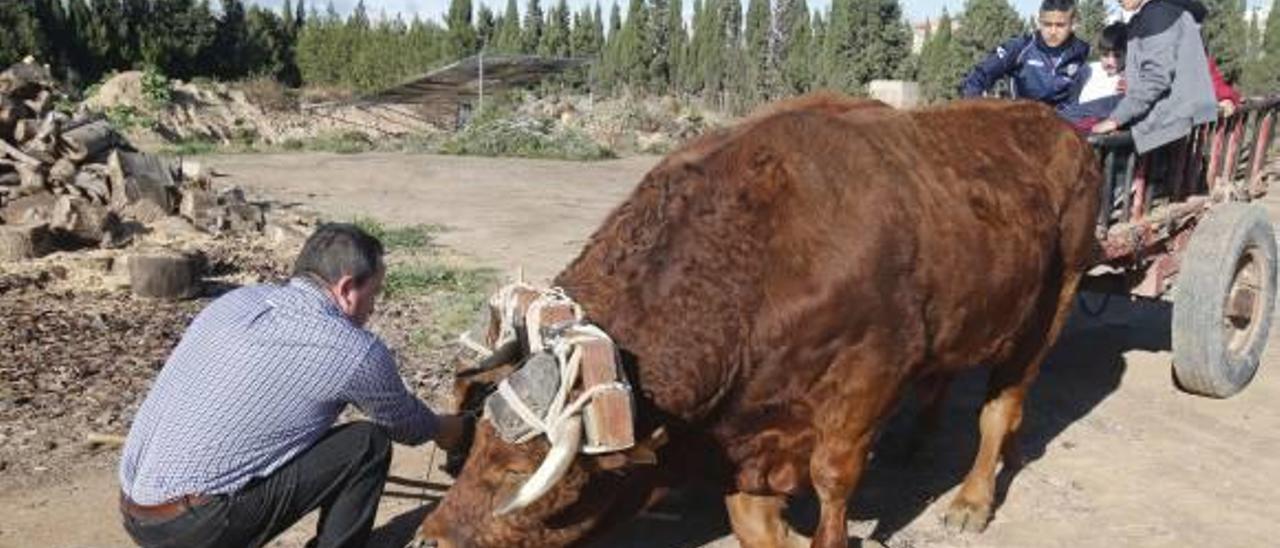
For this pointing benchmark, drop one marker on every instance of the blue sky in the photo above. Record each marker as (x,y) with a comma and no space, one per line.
(917,10)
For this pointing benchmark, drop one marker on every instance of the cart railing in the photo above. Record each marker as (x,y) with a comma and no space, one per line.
(1149,198)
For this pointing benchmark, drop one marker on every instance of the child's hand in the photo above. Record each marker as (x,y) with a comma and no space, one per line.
(1105,126)
(1121,86)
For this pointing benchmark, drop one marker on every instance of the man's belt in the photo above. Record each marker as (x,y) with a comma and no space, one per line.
(165,510)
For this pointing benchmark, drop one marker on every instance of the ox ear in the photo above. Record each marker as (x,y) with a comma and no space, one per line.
(644,453)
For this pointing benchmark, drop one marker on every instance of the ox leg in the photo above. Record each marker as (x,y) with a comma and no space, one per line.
(757,522)
(932,391)
(1001,415)
(846,428)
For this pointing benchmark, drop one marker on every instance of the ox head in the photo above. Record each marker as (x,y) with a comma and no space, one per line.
(538,492)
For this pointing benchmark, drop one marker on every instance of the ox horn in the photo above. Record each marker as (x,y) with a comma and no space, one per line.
(564,447)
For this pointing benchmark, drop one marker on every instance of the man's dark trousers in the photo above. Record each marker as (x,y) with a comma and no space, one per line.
(342,474)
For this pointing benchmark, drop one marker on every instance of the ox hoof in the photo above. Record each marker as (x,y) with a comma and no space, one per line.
(966,517)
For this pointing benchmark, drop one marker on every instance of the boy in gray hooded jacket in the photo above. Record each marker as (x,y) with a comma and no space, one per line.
(1167,74)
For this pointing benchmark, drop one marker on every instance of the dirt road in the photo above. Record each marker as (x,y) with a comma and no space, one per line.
(1118,456)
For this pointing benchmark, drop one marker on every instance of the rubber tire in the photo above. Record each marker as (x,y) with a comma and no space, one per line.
(1202,363)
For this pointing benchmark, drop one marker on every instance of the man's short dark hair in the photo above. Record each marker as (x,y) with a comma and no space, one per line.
(339,249)
(1113,38)
(1058,5)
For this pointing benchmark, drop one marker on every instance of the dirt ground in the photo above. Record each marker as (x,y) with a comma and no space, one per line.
(1117,455)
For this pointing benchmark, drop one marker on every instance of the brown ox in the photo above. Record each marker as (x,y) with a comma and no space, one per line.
(776,287)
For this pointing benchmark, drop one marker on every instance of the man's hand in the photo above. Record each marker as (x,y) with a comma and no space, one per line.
(1226,107)
(453,431)
(1105,126)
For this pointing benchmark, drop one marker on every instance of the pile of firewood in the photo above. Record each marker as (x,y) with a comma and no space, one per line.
(72,180)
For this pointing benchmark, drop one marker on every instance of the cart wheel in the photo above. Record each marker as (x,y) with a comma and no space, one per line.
(1223,301)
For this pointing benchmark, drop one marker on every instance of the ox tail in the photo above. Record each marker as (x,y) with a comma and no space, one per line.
(565,444)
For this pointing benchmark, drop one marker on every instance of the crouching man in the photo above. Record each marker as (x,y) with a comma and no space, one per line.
(236,442)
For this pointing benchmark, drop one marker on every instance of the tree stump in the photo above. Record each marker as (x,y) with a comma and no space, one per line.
(24,241)
(164,275)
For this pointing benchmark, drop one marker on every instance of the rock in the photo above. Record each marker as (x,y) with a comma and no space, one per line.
(164,275)
(24,241)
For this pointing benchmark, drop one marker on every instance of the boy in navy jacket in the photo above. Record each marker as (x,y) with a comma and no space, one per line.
(1048,65)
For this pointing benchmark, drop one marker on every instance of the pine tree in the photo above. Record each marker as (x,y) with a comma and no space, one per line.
(632,55)
(231,37)
(985,25)
(657,44)
(604,74)
(24,34)
(486,27)
(1091,17)
(940,67)
(555,37)
(866,40)
(1224,36)
(508,39)
(793,47)
(580,35)
(462,35)
(756,54)
(676,43)
(532,34)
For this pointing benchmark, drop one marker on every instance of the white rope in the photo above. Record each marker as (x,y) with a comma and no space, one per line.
(566,346)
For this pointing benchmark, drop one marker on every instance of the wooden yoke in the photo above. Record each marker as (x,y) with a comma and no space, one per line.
(609,416)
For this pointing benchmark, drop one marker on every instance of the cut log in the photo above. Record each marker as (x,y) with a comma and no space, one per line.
(242,217)
(23,81)
(32,209)
(24,241)
(25,130)
(87,141)
(21,157)
(42,103)
(198,205)
(94,183)
(33,178)
(83,222)
(164,275)
(62,172)
(44,146)
(11,112)
(137,177)
(142,211)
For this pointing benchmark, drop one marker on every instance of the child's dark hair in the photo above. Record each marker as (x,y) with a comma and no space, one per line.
(1058,5)
(1112,39)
